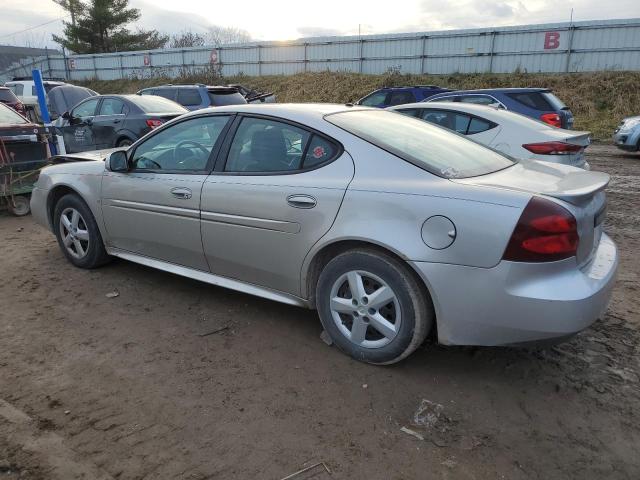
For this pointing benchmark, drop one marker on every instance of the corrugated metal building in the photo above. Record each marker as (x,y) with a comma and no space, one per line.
(556,47)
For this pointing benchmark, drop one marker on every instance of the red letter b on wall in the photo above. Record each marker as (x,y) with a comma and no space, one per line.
(551,40)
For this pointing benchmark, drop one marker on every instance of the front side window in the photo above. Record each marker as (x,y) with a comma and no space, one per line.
(433,149)
(262,145)
(399,98)
(375,99)
(86,109)
(184,146)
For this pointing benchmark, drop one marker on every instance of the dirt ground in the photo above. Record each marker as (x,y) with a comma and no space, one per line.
(129,388)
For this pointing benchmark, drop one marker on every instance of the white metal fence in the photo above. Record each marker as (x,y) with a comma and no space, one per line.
(559,47)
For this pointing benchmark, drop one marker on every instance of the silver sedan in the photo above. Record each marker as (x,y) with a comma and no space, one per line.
(390,227)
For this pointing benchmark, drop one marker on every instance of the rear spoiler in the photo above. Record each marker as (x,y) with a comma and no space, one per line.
(579,186)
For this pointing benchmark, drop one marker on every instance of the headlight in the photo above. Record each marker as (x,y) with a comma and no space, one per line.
(629,124)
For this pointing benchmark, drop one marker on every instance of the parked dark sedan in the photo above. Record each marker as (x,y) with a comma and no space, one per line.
(107,121)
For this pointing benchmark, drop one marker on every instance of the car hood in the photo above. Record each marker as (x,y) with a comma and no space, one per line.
(570,184)
(91,155)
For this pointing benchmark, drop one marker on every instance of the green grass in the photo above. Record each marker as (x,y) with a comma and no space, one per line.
(598,100)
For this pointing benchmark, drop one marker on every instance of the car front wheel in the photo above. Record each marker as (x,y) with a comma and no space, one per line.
(373,307)
(78,234)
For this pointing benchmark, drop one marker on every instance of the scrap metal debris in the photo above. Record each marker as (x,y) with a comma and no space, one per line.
(413,433)
(113,294)
(308,469)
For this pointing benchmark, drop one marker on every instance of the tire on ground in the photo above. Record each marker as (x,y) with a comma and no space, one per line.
(416,308)
(96,254)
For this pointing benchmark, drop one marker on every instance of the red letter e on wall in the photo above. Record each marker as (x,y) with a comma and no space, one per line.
(551,40)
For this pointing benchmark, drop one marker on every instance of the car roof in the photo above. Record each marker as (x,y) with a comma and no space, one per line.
(300,111)
(499,90)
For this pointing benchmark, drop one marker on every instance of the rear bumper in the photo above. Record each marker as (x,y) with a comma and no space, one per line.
(516,303)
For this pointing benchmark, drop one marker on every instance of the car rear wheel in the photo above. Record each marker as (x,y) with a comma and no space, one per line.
(78,234)
(373,307)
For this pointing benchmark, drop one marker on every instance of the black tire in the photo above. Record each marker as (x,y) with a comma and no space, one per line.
(19,205)
(95,255)
(416,308)
(124,142)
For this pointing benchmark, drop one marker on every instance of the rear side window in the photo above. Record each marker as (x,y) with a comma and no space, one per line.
(168,93)
(221,98)
(262,145)
(7,95)
(533,100)
(319,151)
(189,97)
(478,99)
(415,141)
(111,106)
(376,98)
(478,125)
(412,112)
(399,98)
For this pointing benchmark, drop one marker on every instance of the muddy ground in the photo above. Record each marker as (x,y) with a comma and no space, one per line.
(128,388)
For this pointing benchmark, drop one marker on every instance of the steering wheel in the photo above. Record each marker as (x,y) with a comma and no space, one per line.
(183,143)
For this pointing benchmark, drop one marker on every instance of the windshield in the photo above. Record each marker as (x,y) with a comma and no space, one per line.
(7,95)
(153,104)
(431,148)
(7,115)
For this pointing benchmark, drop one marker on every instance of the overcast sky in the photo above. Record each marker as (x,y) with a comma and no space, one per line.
(290,19)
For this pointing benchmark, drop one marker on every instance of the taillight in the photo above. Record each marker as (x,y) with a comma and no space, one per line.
(154,123)
(552,148)
(552,119)
(545,232)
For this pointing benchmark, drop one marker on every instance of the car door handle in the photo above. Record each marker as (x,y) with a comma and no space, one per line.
(182,193)
(302,201)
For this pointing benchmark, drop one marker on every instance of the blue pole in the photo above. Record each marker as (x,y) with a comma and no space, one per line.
(44,111)
(42,96)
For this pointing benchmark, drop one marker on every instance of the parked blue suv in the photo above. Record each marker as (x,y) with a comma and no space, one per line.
(389,96)
(538,103)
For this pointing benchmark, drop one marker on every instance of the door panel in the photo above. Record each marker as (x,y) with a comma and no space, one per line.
(260,228)
(156,215)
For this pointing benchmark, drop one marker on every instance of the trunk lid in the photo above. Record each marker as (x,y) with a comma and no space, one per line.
(581,191)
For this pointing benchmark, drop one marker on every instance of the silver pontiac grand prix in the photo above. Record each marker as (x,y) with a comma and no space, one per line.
(389,226)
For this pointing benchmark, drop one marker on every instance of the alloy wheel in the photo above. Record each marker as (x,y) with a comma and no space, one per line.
(74,233)
(365,309)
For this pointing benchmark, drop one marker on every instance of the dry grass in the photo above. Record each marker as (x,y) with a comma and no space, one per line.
(598,100)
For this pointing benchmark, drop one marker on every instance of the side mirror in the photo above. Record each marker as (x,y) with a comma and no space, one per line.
(117,161)
(66,115)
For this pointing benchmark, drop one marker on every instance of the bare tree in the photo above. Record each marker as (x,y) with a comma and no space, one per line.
(222,35)
(187,39)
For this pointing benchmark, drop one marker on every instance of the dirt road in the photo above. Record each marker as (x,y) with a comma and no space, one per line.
(128,388)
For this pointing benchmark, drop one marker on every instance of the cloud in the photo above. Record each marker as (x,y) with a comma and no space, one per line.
(169,21)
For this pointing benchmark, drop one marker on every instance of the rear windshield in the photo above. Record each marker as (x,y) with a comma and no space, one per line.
(7,95)
(219,98)
(7,115)
(538,100)
(431,148)
(153,104)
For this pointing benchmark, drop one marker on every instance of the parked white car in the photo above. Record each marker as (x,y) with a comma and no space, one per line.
(25,90)
(505,131)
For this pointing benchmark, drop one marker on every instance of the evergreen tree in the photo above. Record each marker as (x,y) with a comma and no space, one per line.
(99,26)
